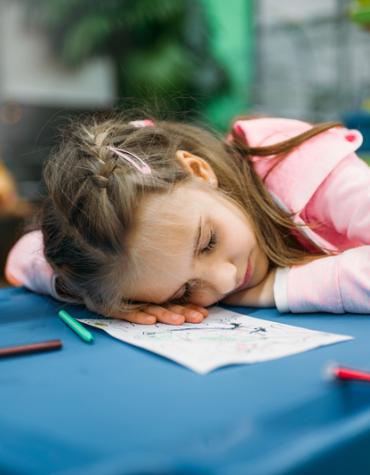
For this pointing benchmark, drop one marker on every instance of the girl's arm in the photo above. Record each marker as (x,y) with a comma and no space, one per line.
(334,284)
(26,265)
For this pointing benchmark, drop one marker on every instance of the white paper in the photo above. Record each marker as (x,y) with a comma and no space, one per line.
(224,337)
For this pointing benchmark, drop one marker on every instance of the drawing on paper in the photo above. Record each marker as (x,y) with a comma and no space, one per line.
(223,338)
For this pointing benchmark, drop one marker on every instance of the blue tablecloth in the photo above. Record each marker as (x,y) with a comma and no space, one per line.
(111,408)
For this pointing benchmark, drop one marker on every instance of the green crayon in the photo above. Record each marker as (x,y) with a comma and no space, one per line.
(76,326)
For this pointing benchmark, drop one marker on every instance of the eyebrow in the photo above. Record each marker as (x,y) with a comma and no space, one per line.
(195,249)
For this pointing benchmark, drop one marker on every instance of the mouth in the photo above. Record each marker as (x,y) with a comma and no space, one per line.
(246,279)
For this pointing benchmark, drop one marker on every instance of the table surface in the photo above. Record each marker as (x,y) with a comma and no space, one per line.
(111,408)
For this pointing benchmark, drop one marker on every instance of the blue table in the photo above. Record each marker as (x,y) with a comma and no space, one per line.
(113,409)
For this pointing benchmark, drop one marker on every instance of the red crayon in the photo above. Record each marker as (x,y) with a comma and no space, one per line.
(347,374)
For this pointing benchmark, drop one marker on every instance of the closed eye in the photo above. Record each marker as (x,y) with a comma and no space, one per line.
(211,243)
(189,286)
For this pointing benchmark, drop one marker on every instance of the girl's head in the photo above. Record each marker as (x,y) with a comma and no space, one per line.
(119,238)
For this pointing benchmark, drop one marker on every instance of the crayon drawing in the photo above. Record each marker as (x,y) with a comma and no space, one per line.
(224,337)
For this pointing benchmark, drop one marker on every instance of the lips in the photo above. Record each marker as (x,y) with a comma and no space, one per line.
(247,277)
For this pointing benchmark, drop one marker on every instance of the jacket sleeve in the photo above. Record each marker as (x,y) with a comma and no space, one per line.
(335,284)
(26,265)
(339,283)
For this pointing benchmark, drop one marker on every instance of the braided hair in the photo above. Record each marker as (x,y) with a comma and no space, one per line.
(92,200)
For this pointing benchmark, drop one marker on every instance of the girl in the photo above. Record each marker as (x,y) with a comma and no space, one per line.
(154,221)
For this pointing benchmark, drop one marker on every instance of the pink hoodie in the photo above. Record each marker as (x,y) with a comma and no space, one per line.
(322,181)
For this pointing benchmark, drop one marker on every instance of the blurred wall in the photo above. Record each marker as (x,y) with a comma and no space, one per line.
(312,62)
(29,74)
(37,94)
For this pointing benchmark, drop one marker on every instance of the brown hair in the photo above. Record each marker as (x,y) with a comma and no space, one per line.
(93,198)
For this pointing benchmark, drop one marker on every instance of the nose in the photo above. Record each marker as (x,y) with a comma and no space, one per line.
(221,277)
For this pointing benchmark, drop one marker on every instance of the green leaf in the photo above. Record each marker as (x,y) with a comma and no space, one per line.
(85,39)
(165,67)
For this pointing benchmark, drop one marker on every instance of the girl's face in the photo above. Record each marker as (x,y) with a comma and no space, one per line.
(194,245)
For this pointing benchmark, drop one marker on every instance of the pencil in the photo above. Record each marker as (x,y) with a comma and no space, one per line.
(76,326)
(31,348)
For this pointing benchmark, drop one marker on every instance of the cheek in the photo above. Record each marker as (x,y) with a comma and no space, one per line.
(247,235)
(240,236)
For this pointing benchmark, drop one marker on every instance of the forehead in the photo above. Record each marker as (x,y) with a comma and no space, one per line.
(166,221)
(162,243)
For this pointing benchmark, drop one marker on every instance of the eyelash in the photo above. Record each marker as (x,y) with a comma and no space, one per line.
(189,285)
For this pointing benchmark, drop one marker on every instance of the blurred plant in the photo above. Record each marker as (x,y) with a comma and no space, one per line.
(360,13)
(160,48)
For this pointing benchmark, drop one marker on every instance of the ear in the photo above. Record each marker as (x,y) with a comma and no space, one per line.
(197,167)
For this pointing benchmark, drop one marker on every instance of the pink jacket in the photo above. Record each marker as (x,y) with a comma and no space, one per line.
(322,181)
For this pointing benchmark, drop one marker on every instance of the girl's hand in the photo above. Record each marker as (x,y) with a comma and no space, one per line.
(262,295)
(170,314)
